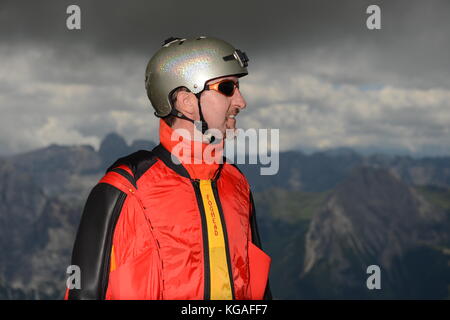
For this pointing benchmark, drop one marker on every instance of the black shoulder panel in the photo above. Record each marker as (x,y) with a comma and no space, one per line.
(138,162)
(92,248)
(254,226)
(125,174)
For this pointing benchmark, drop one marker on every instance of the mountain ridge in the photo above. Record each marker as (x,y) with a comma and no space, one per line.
(322,219)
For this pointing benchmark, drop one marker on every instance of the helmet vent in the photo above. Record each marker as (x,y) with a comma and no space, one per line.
(168,41)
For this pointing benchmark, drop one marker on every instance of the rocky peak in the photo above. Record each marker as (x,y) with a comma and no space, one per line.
(113,145)
(374,216)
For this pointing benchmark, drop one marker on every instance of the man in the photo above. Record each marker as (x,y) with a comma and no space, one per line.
(169,225)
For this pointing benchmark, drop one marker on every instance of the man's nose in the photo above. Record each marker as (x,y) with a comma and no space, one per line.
(238,99)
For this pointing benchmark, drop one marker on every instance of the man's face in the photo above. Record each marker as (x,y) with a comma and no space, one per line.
(217,108)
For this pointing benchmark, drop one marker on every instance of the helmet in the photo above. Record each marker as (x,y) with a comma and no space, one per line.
(189,63)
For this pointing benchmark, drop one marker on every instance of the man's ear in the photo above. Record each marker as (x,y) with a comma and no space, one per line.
(187,104)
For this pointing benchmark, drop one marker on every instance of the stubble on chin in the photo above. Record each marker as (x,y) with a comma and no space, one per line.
(230,128)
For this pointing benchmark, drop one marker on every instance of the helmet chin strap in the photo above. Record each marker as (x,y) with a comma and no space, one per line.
(202,119)
(204,124)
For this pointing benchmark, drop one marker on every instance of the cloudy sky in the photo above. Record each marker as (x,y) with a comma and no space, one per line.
(316,72)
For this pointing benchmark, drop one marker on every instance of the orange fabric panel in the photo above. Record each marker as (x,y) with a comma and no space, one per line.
(174,219)
(135,264)
(259,264)
(233,193)
(138,279)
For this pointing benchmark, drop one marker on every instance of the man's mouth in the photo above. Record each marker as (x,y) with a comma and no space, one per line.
(230,119)
(230,122)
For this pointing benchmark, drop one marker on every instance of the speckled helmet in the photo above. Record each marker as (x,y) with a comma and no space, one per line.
(189,63)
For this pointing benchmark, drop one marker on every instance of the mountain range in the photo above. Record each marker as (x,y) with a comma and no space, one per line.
(324,218)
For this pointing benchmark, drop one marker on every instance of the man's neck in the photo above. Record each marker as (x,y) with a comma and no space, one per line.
(200,159)
(189,127)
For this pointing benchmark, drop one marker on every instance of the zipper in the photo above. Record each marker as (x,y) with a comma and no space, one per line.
(207,272)
(206,234)
(225,234)
(156,245)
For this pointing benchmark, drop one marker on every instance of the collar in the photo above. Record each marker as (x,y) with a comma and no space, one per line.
(195,156)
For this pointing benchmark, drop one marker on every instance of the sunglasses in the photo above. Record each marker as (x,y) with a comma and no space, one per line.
(225,87)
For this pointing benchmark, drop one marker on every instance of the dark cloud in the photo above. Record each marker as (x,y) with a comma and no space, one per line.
(259,26)
(49,71)
(412,45)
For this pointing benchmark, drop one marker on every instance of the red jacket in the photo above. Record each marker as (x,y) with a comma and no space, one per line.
(154,229)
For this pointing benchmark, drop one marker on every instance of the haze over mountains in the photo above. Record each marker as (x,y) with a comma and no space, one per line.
(323,218)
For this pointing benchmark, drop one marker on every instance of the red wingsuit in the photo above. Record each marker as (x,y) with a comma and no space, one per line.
(156,229)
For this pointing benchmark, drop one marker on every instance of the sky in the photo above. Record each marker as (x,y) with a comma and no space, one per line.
(316,72)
